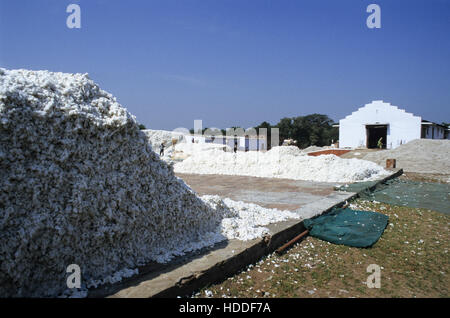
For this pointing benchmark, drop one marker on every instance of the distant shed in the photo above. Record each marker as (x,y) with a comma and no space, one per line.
(364,127)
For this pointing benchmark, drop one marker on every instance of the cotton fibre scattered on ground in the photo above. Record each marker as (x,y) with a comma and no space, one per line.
(281,162)
(81,185)
(413,255)
(420,155)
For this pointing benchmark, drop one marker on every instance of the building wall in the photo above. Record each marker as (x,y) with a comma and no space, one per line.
(402,126)
(440,133)
(433,132)
(243,142)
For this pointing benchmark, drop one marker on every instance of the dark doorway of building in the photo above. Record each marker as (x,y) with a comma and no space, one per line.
(374,133)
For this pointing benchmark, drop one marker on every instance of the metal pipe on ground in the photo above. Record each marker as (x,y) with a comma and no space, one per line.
(284,247)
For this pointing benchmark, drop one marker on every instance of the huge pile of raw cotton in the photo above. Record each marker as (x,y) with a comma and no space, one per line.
(281,162)
(81,185)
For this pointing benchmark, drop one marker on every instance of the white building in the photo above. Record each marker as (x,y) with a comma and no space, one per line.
(365,127)
(244,143)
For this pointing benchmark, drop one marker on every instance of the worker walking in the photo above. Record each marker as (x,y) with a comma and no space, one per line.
(380,143)
(161,150)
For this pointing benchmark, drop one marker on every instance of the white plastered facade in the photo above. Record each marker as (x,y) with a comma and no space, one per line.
(402,127)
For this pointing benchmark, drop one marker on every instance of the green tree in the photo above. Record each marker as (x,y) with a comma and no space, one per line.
(268,127)
(286,129)
(314,129)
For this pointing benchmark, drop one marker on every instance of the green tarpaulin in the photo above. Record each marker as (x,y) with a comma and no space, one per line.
(348,227)
(427,195)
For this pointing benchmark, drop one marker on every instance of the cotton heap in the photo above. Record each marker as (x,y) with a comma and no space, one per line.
(281,162)
(158,137)
(80,184)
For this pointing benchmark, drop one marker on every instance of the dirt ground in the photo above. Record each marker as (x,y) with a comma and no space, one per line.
(412,255)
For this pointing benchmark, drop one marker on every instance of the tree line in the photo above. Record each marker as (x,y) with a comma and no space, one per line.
(314,129)
(309,130)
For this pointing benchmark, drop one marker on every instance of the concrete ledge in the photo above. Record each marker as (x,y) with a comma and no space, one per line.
(225,259)
(396,173)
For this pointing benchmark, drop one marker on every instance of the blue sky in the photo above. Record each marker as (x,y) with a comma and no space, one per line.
(240,62)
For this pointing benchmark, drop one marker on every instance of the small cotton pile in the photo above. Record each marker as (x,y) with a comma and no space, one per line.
(157,137)
(80,184)
(286,151)
(281,162)
(245,221)
(190,148)
(183,147)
